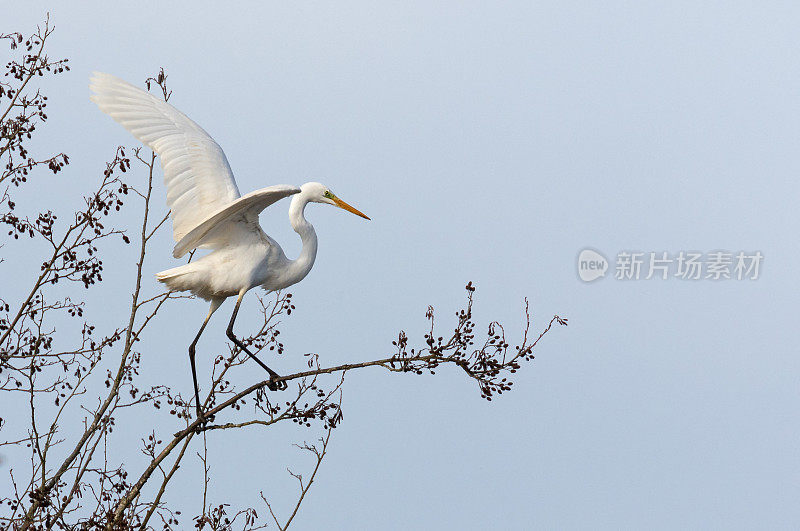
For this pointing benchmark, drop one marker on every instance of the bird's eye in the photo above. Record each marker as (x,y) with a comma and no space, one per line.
(328,194)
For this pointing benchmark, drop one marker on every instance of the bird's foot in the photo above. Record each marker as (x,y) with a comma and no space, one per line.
(276,386)
(204,419)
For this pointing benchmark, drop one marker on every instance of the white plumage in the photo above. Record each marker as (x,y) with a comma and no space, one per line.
(207,209)
(197,174)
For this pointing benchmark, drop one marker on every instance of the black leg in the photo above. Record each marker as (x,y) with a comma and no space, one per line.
(214,305)
(273,386)
(194,371)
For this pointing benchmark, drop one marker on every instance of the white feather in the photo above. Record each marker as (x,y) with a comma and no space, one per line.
(197,174)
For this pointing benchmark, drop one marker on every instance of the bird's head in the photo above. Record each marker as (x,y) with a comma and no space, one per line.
(319,193)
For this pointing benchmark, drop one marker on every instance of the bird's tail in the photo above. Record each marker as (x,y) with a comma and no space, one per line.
(177,278)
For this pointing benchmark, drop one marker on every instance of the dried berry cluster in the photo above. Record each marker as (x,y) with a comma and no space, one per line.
(490,363)
(23,108)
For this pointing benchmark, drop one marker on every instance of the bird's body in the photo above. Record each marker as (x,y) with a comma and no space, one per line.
(208,211)
(249,259)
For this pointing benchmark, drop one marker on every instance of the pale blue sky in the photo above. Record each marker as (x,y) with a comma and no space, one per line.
(490,141)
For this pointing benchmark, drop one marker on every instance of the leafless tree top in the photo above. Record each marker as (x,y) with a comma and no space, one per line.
(90,379)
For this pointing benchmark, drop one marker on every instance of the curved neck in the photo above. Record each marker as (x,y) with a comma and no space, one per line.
(300,267)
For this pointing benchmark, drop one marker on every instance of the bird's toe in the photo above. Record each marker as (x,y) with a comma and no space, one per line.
(280,385)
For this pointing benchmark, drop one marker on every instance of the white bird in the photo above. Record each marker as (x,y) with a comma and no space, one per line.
(208,211)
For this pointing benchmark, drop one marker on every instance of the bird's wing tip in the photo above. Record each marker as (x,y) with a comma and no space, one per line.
(97,80)
(96,76)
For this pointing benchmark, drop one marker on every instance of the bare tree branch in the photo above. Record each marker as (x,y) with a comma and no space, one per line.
(57,368)
(319,454)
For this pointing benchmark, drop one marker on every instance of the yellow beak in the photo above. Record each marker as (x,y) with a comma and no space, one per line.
(342,204)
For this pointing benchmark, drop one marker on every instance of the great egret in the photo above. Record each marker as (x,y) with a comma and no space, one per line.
(208,211)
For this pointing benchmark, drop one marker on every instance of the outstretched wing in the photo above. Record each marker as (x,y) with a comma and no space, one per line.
(199,180)
(241,215)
